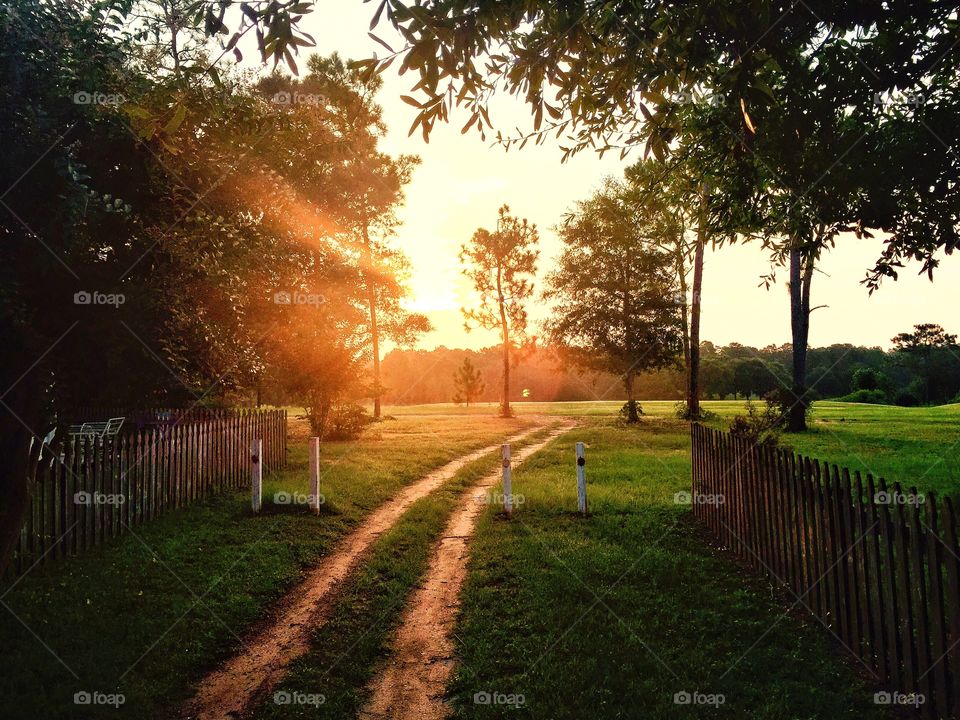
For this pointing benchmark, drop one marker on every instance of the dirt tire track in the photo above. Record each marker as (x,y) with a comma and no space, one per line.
(230,691)
(413,683)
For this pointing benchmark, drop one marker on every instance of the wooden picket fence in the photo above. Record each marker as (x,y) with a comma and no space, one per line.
(87,490)
(879,566)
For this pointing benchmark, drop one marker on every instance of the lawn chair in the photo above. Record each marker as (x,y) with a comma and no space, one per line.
(98,430)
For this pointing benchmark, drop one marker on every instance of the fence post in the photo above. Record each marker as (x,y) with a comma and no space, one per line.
(256,491)
(581,480)
(507,482)
(315,474)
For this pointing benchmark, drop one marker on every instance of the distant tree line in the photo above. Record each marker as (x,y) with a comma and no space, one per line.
(913,373)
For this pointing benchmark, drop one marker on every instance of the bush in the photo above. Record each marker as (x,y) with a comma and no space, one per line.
(682,412)
(761,427)
(346,421)
(866,378)
(337,420)
(873,397)
(905,398)
(782,401)
(624,414)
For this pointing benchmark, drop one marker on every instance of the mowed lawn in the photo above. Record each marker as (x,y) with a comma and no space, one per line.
(913,446)
(148,614)
(622,613)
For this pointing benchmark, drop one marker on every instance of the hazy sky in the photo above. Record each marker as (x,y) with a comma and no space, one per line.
(463,180)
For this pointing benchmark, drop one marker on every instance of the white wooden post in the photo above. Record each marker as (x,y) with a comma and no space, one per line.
(507,482)
(256,490)
(581,480)
(315,474)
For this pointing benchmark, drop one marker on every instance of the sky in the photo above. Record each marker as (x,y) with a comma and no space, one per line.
(463,180)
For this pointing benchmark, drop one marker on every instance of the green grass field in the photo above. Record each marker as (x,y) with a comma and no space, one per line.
(914,446)
(608,616)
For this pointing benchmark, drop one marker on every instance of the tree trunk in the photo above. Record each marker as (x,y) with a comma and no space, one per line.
(632,415)
(505,401)
(21,412)
(684,311)
(693,371)
(374,329)
(801,277)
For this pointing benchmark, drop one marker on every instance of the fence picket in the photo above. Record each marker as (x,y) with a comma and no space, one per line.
(921,609)
(865,533)
(952,598)
(901,537)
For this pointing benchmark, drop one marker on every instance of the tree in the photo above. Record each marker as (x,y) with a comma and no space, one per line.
(468,383)
(674,199)
(924,338)
(613,292)
(367,196)
(501,265)
(931,353)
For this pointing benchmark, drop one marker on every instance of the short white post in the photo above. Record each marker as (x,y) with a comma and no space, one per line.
(507,482)
(315,474)
(581,480)
(256,490)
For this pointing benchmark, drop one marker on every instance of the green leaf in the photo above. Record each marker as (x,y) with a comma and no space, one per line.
(176,121)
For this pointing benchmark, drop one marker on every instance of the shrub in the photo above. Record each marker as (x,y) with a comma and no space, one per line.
(346,421)
(337,420)
(866,378)
(760,426)
(624,414)
(783,399)
(682,412)
(905,398)
(874,397)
